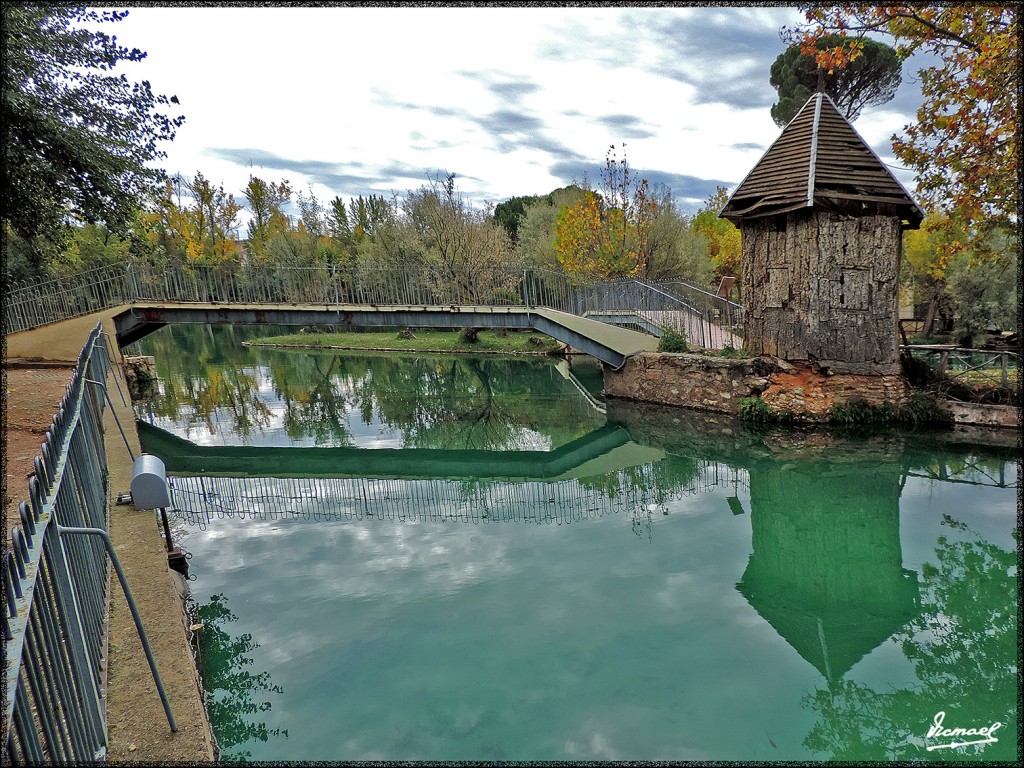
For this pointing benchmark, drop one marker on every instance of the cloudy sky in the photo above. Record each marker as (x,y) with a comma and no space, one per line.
(514,101)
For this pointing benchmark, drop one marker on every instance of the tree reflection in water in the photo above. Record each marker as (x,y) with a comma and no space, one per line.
(963,645)
(211,381)
(235,696)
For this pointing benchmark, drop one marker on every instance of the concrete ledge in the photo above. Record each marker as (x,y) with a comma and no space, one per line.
(1003,416)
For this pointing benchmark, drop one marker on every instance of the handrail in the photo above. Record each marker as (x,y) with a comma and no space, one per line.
(709,321)
(697,289)
(60,586)
(56,587)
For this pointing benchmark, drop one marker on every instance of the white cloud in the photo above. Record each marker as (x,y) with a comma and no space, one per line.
(501,96)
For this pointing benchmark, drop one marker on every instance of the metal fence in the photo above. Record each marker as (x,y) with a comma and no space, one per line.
(707,320)
(34,303)
(972,367)
(56,586)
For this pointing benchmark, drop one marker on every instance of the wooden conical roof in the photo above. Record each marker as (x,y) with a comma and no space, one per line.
(820,159)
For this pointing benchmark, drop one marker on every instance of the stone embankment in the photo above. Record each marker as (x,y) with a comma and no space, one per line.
(806,390)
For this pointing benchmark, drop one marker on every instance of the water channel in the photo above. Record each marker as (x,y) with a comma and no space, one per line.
(468,558)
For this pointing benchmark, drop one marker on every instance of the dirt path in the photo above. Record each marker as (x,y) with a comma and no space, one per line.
(31,397)
(37,369)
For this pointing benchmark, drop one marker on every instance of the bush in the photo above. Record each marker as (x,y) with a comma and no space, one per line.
(731,353)
(920,410)
(754,410)
(505,297)
(673,341)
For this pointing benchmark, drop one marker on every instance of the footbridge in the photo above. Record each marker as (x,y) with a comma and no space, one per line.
(608,343)
(610,320)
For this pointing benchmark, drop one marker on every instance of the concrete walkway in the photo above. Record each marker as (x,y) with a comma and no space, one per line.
(138,729)
(608,343)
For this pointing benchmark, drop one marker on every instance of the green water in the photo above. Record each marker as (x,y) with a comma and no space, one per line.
(681,589)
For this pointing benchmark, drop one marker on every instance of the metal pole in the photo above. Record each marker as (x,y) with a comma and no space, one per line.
(61,530)
(167,528)
(110,364)
(114,414)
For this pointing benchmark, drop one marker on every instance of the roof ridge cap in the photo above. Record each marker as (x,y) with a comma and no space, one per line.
(814,148)
(764,155)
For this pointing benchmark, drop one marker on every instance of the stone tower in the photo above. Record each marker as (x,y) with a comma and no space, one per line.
(822,221)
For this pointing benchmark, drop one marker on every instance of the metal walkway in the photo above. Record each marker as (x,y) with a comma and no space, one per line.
(579,312)
(608,343)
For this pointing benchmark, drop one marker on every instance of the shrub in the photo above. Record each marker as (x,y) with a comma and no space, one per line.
(504,297)
(730,352)
(754,410)
(673,341)
(920,410)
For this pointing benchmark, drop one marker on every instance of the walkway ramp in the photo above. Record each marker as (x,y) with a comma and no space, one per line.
(609,344)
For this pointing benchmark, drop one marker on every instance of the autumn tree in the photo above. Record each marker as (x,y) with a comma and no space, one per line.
(193,221)
(535,229)
(964,146)
(723,237)
(79,141)
(925,259)
(869,80)
(607,234)
(266,204)
(165,226)
(214,214)
(975,285)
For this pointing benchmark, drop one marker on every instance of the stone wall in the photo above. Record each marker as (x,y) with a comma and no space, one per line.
(822,286)
(693,381)
(719,384)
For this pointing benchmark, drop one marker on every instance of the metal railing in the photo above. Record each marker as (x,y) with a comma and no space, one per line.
(707,320)
(56,587)
(984,367)
(34,303)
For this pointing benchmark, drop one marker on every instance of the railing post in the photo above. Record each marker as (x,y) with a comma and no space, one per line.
(62,531)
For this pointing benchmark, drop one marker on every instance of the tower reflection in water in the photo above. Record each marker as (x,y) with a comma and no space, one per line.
(827,568)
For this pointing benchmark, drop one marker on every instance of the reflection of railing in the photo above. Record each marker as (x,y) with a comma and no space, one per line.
(968,472)
(200,499)
(971,366)
(707,320)
(56,586)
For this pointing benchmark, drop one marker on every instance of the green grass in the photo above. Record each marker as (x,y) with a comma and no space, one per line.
(424,340)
